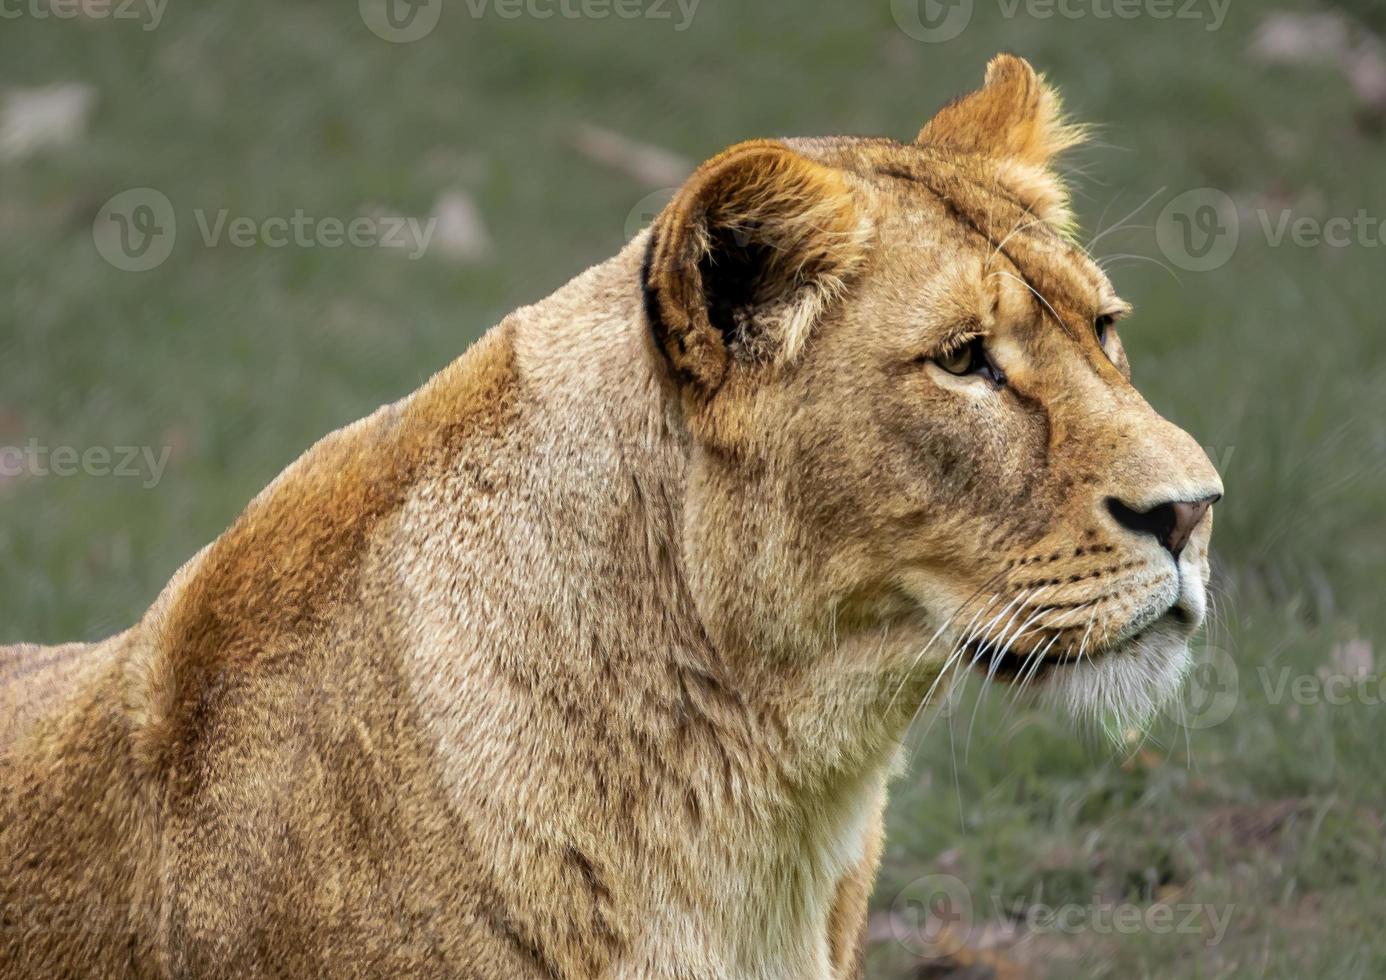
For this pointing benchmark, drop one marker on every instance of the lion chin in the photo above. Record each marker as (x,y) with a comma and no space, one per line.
(1114,674)
(1140,674)
(1127,686)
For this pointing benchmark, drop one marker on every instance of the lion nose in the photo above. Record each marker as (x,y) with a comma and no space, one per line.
(1171,523)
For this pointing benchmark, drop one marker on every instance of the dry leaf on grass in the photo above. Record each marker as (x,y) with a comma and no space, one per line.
(1332,39)
(650,165)
(460,232)
(37,119)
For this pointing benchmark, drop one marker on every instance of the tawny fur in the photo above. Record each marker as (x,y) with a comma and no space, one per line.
(591,657)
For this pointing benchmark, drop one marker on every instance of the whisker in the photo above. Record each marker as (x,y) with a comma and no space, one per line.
(953,660)
(1130,257)
(947,622)
(1000,647)
(1022,676)
(1046,303)
(1120,224)
(1025,681)
(1082,645)
(1016,229)
(1036,656)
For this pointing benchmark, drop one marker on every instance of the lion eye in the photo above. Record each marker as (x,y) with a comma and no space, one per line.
(961,361)
(1101,325)
(971,358)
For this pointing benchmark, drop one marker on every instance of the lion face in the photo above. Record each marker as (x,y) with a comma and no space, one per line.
(968,433)
(911,411)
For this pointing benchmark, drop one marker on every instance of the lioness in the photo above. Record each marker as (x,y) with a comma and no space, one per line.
(591,657)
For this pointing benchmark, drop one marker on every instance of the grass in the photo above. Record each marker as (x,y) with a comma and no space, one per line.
(237,359)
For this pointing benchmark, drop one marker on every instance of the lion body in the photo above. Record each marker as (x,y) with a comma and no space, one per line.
(357,735)
(591,658)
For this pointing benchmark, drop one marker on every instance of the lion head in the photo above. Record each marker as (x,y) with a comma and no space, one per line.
(910,410)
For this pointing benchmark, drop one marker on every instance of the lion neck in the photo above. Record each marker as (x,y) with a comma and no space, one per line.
(584,648)
(615,481)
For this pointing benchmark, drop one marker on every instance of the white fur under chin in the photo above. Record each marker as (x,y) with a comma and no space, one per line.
(1124,688)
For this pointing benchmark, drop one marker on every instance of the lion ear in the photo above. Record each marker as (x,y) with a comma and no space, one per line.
(1016,119)
(746,259)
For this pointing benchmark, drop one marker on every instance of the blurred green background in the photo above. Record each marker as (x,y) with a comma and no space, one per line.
(1254,812)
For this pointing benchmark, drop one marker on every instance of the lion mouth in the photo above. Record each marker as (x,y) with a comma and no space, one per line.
(1038,663)
(1098,642)
(1011,665)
